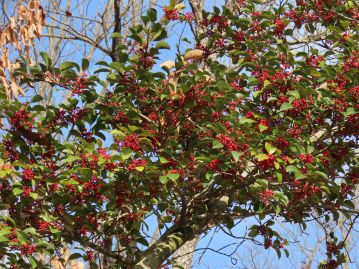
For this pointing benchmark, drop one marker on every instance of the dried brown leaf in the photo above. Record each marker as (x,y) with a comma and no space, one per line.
(195,54)
(2,38)
(31,31)
(56,264)
(23,35)
(10,35)
(15,88)
(66,254)
(12,22)
(22,13)
(168,64)
(4,60)
(34,4)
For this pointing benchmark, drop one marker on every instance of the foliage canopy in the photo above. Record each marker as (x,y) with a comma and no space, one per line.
(197,145)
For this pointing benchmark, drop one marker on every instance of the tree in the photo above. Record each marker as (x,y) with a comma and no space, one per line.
(197,145)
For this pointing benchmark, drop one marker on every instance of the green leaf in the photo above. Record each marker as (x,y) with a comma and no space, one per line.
(209,175)
(173,3)
(256,93)
(349,204)
(5,231)
(164,179)
(22,237)
(119,67)
(38,108)
(142,241)
(33,262)
(163,160)
(126,153)
(276,165)
(75,256)
(315,73)
(173,177)
(262,182)
(4,239)
(140,168)
(350,111)
(37,98)
(262,128)
(296,171)
(294,94)
(16,191)
(270,148)
(71,159)
(69,65)
(161,34)
(217,145)
(253,233)
(116,35)
(163,96)
(244,120)
(152,14)
(85,64)
(34,195)
(285,107)
(46,58)
(252,81)
(281,197)
(261,157)
(68,151)
(117,132)
(236,155)
(162,45)
(30,230)
(326,189)
(322,174)
(310,149)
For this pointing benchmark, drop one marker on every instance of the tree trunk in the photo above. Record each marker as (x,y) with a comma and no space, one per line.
(184,255)
(167,244)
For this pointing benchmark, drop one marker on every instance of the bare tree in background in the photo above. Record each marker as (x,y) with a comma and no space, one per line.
(80,28)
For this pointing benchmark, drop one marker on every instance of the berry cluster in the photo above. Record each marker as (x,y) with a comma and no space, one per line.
(267,163)
(132,141)
(306,158)
(314,60)
(265,196)
(213,165)
(27,250)
(279,27)
(27,174)
(26,191)
(137,163)
(298,106)
(21,119)
(171,14)
(227,142)
(43,226)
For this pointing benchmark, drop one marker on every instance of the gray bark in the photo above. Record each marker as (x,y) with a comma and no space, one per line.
(168,243)
(184,255)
